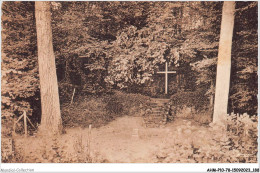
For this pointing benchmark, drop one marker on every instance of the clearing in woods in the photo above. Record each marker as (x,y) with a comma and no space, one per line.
(124,140)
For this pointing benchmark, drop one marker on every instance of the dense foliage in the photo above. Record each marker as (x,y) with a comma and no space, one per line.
(20,87)
(244,81)
(104,45)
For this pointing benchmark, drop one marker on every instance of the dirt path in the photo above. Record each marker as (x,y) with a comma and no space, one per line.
(124,140)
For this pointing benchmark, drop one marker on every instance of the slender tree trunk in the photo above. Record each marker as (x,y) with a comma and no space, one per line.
(50,104)
(224,61)
(211,100)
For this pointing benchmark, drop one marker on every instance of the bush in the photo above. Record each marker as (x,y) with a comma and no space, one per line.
(99,110)
(234,141)
(125,103)
(191,104)
(113,106)
(243,133)
(203,117)
(238,139)
(84,111)
(195,99)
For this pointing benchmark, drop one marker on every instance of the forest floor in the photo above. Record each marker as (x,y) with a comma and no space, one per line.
(121,136)
(124,140)
(127,140)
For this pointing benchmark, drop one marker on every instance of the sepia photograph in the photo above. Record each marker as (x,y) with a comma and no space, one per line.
(129,82)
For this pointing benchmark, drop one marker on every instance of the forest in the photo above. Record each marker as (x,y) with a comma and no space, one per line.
(79,74)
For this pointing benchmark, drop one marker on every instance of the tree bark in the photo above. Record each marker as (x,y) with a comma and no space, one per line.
(224,62)
(50,104)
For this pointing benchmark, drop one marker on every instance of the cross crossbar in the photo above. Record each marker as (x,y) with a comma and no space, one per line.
(166,72)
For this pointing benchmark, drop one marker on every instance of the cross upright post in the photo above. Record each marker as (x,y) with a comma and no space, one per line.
(166,72)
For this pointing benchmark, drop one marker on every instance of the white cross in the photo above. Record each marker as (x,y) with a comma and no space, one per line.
(166,72)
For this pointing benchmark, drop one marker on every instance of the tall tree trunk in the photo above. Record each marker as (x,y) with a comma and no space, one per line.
(50,104)
(224,61)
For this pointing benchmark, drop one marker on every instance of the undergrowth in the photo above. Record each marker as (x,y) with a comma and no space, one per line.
(233,142)
(55,149)
(99,110)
